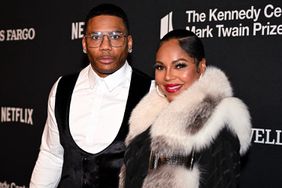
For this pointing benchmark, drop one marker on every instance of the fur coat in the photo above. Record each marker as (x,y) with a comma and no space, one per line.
(192,121)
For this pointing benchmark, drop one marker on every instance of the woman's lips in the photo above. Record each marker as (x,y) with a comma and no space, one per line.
(172,88)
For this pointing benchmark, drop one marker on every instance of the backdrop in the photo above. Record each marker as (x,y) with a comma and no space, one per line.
(41,40)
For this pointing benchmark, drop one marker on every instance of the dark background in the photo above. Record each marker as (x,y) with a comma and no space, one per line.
(28,69)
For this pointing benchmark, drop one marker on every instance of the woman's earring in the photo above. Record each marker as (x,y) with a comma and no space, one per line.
(159,92)
(129,50)
(84,51)
(201,75)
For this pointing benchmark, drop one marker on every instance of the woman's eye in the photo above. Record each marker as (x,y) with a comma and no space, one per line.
(158,67)
(180,65)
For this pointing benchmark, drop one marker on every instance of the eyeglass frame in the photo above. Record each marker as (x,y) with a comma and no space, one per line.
(108,34)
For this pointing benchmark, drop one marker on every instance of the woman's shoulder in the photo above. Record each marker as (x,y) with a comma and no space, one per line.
(231,114)
(235,114)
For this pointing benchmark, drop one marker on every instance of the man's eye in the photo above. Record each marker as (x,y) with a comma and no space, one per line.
(115,37)
(95,37)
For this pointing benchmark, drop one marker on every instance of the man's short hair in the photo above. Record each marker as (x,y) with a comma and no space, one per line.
(107,9)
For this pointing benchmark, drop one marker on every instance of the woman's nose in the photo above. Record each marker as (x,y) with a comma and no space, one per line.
(169,75)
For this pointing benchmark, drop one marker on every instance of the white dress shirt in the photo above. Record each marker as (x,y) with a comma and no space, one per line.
(96,113)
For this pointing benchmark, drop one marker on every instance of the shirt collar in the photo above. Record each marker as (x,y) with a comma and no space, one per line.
(121,76)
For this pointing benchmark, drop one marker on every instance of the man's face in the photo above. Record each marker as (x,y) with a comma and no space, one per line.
(105,58)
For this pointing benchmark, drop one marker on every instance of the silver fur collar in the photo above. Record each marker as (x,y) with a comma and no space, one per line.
(194,118)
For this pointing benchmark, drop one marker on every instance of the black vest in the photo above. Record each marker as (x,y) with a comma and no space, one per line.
(80,168)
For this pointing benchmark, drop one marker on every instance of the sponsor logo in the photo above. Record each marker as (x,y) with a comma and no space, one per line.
(16,114)
(251,21)
(17,34)
(77,30)
(266,136)
(11,185)
(166,24)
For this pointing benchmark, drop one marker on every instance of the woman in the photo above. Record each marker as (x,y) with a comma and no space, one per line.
(190,131)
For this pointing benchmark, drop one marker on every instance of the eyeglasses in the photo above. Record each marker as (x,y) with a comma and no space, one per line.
(116,38)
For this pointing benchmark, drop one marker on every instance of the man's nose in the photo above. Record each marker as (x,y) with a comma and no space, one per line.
(105,43)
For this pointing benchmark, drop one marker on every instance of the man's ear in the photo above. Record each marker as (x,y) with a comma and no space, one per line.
(84,49)
(129,43)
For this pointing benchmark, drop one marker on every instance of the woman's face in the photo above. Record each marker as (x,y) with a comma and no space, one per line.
(175,70)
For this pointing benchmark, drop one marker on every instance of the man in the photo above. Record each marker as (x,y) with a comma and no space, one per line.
(83,139)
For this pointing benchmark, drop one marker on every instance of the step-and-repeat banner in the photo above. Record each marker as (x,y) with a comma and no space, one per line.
(41,40)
